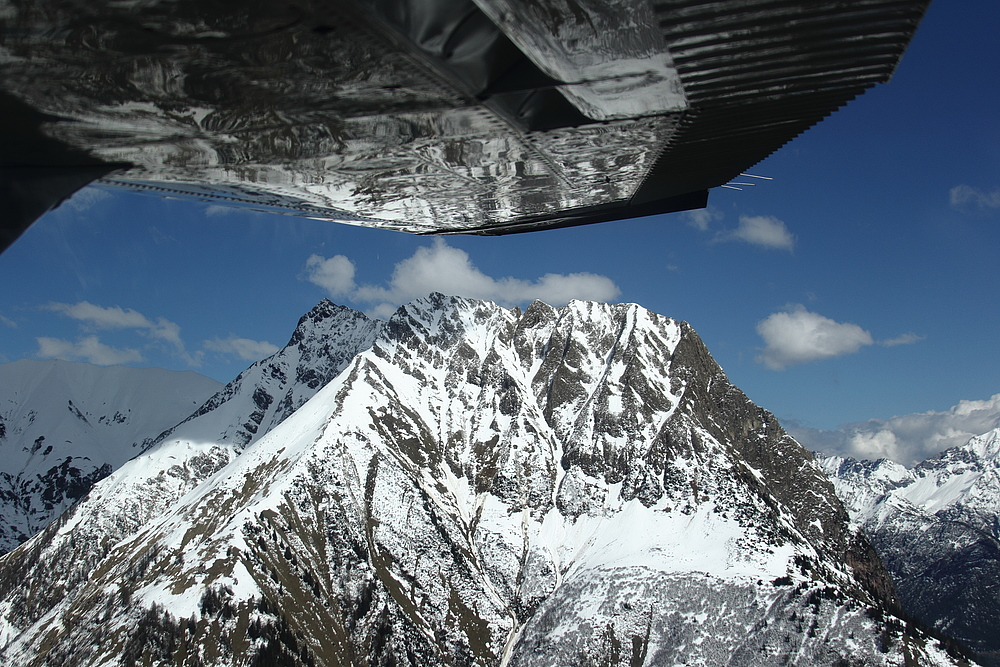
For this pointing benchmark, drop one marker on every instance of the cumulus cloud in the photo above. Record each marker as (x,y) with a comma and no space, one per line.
(797,336)
(702,218)
(243,348)
(335,275)
(116,317)
(762,230)
(88,349)
(906,439)
(974,200)
(442,268)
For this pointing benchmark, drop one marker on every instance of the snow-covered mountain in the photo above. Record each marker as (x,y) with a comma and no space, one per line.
(261,397)
(475,486)
(177,457)
(937,529)
(65,425)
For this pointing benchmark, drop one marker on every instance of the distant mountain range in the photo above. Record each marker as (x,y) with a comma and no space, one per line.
(937,528)
(65,425)
(463,485)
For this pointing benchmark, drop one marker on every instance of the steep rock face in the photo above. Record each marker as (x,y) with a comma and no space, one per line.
(66,425)
(184,455)
(937,529)
(483,486)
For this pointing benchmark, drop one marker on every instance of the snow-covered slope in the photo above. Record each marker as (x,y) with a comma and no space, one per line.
(177,457)
(937,529)
(481,486)
(261,397)
(65,425)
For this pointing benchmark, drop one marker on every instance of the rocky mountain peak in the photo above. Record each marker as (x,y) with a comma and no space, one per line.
(324,341)
(444,321)
(987,446)
(980,453)
(322,320)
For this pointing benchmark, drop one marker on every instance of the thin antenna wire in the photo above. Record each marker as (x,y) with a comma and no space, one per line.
(732,188)
(766,178)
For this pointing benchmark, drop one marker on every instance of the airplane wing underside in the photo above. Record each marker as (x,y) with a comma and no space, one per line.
(425,116)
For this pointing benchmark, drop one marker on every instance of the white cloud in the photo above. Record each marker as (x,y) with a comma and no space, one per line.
(113,317)
(88,349)
(87,198)
(906,439)
(442,268)
(7,322)
(244,348)
(702,218)
(335,275)
(763,230)
(902,339)
(116,317)
(974,200)
(797,336)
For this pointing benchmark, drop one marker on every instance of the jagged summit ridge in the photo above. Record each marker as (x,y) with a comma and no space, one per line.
(489,486)
(324,340)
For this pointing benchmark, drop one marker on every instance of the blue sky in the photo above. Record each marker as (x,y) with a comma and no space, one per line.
(859,284)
